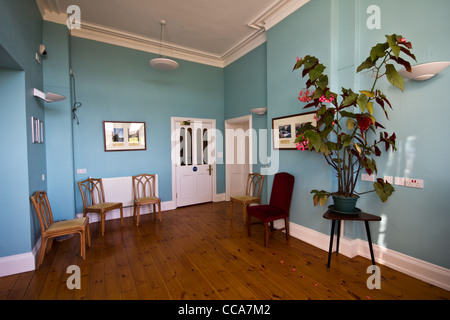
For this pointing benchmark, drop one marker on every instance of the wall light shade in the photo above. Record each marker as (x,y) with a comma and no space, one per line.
(424,71)
(49,96)
(164,64)
(259,110)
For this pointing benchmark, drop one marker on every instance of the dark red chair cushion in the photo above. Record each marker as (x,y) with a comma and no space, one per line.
(280,199)
(266,212)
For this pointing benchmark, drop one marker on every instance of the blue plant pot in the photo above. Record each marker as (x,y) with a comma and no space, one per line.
(346,205)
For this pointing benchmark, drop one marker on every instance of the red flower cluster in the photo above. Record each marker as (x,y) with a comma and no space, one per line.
(302,145)
(324,99)
(305,95)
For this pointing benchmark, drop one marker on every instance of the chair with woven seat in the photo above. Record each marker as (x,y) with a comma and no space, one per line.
(144,194)
(278,207)
(252,193)
(93,196)
(51,229)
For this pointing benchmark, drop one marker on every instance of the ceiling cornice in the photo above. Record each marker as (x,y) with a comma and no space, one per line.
(265,19)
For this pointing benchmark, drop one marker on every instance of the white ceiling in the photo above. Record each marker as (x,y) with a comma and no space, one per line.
(214,32)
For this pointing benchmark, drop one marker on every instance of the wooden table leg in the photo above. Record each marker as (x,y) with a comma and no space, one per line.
(338,236)
(370,241)
(331,242)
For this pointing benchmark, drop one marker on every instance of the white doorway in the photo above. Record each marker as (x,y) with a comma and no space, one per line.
(239,155)
(193,160)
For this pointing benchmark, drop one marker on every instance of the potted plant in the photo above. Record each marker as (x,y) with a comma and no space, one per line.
(346,131)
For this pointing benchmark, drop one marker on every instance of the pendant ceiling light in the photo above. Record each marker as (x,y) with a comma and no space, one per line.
(162,62)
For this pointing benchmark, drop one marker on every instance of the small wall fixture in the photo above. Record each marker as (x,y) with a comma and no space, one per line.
(49,96)
(424,71)
(259,110)
(163,63)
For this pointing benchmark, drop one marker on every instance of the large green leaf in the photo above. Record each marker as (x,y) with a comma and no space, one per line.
(378,51)
(392,41)
(350,99)
(367,64)
(394,77)
(316,72)
(362,102)
(383,189)
(323,81)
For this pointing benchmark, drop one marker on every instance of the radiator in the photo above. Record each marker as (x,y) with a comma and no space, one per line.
(121,190)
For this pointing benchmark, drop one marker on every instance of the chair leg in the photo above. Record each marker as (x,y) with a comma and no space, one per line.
(249,225)
(49,244)
(121,215)
(103,223)
(244,213)
(286,223)
(159,211)
(41,252)
(266,234)
(88,234)
(138,213)
(82,244)
(231,209)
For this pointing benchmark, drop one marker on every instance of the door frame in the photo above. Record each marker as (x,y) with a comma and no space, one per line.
(228,122)
(173,142)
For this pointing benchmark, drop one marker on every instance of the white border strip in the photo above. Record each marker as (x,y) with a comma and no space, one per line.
(419,269)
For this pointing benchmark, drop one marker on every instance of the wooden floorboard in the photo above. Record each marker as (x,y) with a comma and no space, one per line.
(199,253)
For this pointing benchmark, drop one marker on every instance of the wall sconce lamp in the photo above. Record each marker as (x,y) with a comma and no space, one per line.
(49,96)
(259,110)
(424,71)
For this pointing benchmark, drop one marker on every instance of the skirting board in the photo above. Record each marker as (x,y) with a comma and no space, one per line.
(419,269)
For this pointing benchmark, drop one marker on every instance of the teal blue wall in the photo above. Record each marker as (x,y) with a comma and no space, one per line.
(22,163)
(58,118)
(118,84)
(292,38)
(245,89)
(414,220)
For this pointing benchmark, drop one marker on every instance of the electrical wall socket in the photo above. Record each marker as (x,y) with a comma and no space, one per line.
(81,171)
(367,177)
(414,183)
(399,181)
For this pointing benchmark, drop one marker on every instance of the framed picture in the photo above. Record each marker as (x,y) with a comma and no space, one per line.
(124,135)
(284,129)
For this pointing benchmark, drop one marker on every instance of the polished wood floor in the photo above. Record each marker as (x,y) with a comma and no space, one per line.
(199,253)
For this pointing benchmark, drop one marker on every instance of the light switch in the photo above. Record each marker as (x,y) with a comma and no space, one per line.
(81,171)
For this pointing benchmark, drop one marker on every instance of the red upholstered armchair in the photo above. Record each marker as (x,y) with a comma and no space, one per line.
(278,207)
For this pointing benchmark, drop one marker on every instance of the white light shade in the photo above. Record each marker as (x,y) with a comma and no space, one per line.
(164,64)
(49,96)
(424,71)
(259,110)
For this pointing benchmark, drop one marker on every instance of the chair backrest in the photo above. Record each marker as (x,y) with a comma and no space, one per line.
(282,188)
(91,191)
(144,185)
(43,210)
(254,185)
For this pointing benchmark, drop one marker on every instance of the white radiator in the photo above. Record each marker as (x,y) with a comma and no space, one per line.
(121,190)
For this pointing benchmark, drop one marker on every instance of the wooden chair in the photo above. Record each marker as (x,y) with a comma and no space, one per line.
(94,200)
(252,193)
(51,229)
(144,194)
(278,207)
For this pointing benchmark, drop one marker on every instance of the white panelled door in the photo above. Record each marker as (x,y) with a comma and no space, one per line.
(194,163)
(237,164)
